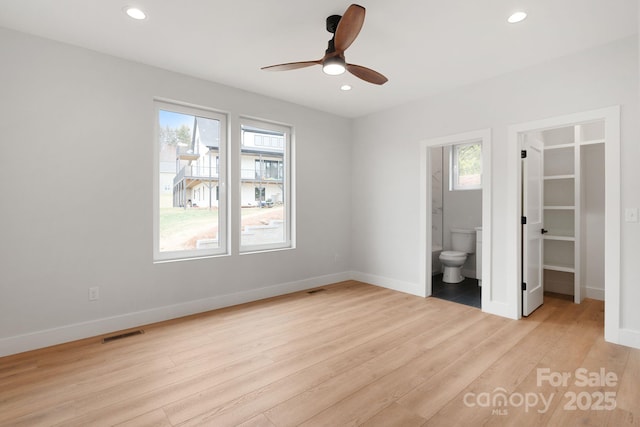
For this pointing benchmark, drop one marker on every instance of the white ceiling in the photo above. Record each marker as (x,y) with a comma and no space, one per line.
(422,46)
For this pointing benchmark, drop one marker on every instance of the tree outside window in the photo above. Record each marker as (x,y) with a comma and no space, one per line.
(466,167)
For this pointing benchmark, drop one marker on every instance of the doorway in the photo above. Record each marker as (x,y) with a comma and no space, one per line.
(435,225)
(456,214)
(571,144)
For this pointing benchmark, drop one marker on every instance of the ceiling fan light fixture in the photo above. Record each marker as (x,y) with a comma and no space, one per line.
(334,66)
(345,29)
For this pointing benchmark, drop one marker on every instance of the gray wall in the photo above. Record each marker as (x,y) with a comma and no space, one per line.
(76,180)
(597,78)
(592,176)
(437,197)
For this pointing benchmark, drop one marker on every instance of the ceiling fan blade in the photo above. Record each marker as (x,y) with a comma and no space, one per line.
(291,66)
(367,74)
(349,27)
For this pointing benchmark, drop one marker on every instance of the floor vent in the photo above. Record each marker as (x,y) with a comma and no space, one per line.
(315,291)
(121,336)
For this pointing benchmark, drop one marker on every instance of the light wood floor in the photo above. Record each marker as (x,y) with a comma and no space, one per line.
(353,354)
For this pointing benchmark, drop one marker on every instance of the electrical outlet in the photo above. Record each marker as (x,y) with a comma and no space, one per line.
(631,215)
(94,293)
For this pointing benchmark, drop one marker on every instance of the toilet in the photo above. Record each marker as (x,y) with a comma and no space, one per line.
(463,242)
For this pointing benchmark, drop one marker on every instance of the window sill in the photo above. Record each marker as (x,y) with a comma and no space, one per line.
(190,258)
(254,251)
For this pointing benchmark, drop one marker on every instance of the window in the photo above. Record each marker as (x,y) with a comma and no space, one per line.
(265,186)
(269,169)
(189,214)
(466,166)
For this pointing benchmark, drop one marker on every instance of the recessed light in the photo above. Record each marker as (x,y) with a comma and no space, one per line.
(345,87)
(135,13)
(517,17)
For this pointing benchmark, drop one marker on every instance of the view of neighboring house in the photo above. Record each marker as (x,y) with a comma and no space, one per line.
(190,172)
(262,167)
(195,173)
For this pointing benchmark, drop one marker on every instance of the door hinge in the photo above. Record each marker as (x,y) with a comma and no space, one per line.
(523,220)
(523,154)
(524,286)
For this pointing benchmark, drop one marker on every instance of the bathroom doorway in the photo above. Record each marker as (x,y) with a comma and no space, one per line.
(456,219)
(455,175)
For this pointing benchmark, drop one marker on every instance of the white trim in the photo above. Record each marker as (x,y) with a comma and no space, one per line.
(611,117)
(595,293)
(68,333)
(424,227)
(198,111)
(629,338)
(498,308)
(389,283)
(77,331)
(289,185)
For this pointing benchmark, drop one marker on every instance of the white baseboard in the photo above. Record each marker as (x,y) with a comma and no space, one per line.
(594,293)
(385,282)
(630,338)
(67,333)
(498,308)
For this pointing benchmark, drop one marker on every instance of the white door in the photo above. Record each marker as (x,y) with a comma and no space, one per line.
(532,229)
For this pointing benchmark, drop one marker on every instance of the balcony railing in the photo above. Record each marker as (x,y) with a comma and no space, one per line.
(253,175)
(196,172)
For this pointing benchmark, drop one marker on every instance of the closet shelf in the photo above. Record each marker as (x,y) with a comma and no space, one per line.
(564,268)
(592,141)
(558,146)
(573,144)
(561,238)
(559,208)
(552,177)
(567,152)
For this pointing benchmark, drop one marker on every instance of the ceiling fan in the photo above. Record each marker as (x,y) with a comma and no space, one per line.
(345,29)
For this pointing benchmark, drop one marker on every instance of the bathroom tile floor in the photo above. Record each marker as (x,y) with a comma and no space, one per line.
(466,292)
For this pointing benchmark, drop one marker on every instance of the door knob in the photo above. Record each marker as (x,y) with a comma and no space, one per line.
(543,231)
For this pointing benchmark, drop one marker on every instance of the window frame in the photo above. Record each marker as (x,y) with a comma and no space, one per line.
(454,172)
(223,205)
(288,182)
